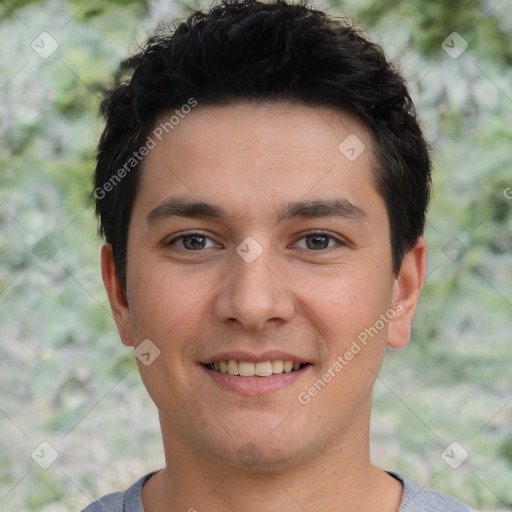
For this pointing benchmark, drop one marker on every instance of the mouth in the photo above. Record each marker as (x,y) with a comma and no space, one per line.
(262,369)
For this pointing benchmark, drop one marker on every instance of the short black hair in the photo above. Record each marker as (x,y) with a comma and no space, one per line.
(247,50)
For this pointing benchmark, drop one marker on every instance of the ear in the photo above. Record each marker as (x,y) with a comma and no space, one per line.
(406,291)
(116,296)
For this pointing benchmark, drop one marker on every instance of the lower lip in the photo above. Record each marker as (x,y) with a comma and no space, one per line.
(255,386)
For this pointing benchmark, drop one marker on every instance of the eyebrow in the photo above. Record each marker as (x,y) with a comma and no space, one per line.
(295,210)
(183,208)
(321,208)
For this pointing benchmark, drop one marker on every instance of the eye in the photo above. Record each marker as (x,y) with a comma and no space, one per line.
(192,242)
(318,241)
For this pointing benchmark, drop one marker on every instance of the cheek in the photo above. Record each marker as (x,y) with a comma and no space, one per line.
(167,307)
(160,298)
(344,302)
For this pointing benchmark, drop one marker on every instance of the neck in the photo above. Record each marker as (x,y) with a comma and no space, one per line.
(338,478)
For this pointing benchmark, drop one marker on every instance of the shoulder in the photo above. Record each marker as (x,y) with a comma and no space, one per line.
(123,501)
(417,499)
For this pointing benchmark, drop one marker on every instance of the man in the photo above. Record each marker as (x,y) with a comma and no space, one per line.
(262,186)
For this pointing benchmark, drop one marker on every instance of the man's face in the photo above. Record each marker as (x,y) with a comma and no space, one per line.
(292,263)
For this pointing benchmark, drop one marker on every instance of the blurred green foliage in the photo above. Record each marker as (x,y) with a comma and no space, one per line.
(66,379)
(486,26)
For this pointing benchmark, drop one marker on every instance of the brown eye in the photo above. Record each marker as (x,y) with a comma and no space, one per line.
(192,242)
(317,241)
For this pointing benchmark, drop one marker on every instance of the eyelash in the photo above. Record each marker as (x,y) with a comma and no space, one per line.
(321,232)
(309,233)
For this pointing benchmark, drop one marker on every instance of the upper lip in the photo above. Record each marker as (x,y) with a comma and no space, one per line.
(252,357)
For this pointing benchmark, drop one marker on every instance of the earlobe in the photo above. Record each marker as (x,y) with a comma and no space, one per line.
(407,289)
(116,297)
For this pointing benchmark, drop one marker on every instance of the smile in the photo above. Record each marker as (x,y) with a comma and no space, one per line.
(260,369)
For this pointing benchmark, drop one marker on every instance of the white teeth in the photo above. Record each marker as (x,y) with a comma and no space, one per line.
(277,366)
(246,369)
(232,367)
(261,369)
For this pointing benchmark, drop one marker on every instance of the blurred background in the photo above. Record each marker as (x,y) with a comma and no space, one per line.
(443,405)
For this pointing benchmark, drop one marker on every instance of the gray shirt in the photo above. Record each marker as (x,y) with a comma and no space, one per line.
(414,499)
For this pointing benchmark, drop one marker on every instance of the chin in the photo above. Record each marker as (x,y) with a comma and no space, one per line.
(260,446)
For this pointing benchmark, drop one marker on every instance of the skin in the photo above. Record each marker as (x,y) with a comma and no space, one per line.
(250,160)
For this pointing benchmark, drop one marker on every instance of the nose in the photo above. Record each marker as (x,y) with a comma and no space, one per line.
(254,293)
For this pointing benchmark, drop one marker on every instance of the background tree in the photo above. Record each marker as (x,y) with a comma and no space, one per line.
(67,381)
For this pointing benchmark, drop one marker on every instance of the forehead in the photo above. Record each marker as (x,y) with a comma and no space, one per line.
(256,156)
